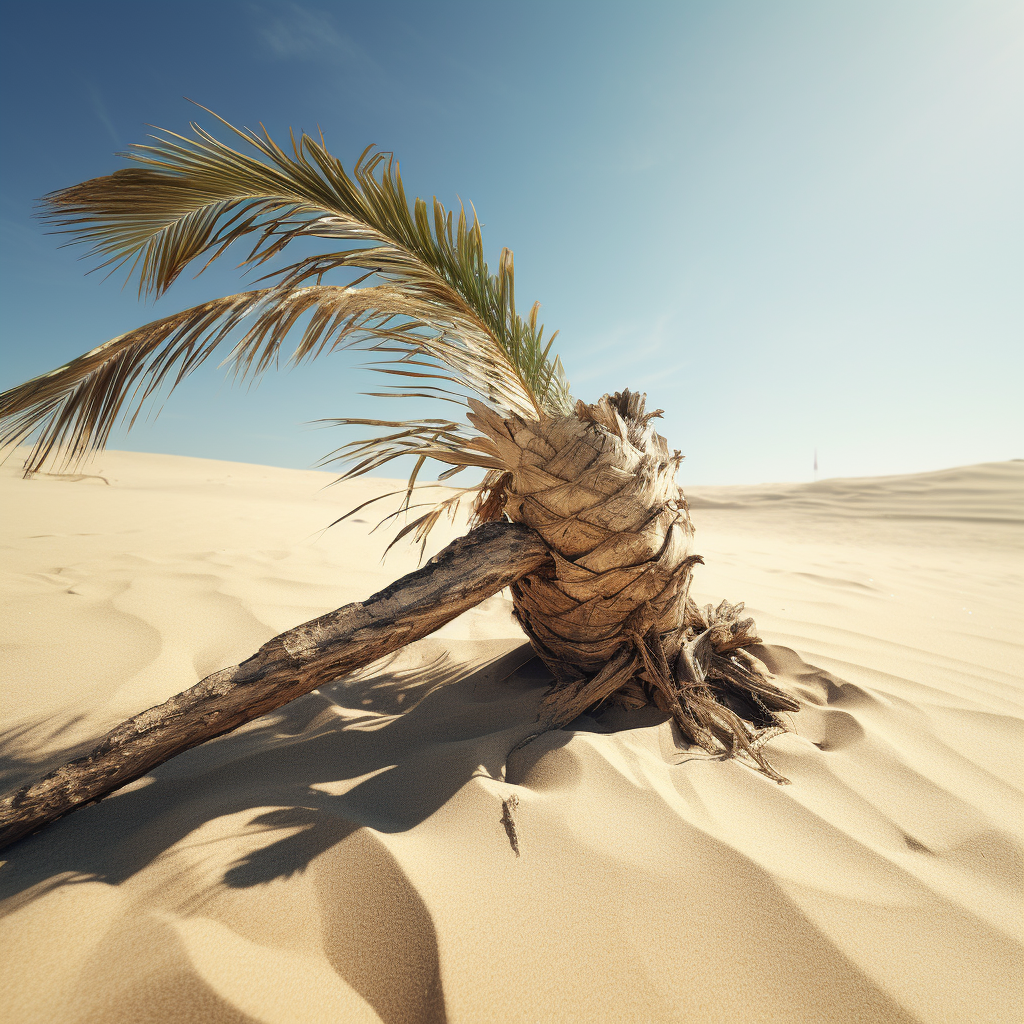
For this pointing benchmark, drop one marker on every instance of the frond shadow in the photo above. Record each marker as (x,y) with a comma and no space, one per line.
(416,730)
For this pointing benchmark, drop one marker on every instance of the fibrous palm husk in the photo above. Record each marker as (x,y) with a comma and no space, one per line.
(612,617)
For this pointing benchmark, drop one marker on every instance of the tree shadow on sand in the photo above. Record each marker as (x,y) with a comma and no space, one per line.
(318,787)
(412,732)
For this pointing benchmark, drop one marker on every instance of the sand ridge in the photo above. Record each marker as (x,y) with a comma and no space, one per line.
(348,857)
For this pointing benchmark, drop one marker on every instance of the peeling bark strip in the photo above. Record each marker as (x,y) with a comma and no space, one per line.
(465,573)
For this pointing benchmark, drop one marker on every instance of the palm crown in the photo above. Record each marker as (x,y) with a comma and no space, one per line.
(436,316)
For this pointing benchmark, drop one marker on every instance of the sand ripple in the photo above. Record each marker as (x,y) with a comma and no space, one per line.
(347,858)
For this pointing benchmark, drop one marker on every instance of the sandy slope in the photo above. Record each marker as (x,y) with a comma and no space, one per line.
(346,860)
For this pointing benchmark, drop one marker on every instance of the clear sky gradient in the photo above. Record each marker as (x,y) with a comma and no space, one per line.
(795,225)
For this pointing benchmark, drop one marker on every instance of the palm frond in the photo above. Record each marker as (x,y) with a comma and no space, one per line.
(438,315)
(77,404)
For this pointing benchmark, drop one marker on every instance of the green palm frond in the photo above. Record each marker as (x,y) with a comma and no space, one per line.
(438,314)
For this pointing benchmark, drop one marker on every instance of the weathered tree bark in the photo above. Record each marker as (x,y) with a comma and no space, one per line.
(466,572)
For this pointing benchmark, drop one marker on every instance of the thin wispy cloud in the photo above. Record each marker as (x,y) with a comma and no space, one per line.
(99,108)
(302,33)
(624,347)
(311,37)
(22,238)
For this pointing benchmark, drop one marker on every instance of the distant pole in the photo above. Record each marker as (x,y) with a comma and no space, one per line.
(815,463)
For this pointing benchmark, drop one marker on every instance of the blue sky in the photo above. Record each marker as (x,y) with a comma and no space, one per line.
(796,225)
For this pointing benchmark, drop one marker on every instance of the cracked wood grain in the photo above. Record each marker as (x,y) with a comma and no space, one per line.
(465,573)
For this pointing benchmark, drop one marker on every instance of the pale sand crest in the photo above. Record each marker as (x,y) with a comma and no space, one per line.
(350,858)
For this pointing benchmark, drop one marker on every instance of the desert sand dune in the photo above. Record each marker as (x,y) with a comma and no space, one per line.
(351,857)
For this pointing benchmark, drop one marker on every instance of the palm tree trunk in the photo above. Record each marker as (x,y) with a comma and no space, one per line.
(465,573)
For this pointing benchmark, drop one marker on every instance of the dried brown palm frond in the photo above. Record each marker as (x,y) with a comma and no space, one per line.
(437,315)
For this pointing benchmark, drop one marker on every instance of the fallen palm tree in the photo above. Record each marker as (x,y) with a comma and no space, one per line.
(578,509)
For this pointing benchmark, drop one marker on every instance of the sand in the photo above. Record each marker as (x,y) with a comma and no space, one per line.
(349,858)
